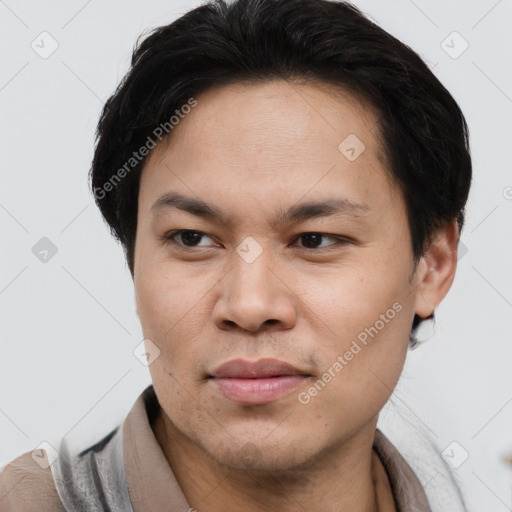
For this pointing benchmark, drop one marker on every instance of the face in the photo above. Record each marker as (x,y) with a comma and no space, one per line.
(269,281)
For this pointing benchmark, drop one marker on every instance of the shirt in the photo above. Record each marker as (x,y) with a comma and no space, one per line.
(127,471)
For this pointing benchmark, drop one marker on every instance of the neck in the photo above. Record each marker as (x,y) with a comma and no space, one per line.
(341,478)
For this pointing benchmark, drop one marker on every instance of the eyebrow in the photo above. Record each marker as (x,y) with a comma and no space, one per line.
(294,214)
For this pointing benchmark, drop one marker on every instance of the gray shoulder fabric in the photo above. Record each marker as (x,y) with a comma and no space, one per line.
(93,480)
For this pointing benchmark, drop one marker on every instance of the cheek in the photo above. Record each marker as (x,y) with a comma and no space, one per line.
(164,296)
(362,321)
(173,316)
(347,299)
(157,303)
(358,379)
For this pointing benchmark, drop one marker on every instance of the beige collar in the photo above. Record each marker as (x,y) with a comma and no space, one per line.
(153,486)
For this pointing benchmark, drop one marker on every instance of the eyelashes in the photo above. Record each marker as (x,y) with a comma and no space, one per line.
(192,236)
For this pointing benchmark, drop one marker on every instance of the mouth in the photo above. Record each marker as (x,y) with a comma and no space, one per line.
(258,382)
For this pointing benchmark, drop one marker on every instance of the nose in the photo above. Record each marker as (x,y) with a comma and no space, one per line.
(255,297)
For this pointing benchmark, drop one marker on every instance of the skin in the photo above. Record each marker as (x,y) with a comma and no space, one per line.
(252,150)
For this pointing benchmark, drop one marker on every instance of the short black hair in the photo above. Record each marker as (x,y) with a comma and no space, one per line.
(423,133)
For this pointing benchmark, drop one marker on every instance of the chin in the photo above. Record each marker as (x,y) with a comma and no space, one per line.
(260,455)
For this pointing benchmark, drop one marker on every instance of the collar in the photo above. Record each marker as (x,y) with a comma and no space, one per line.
(152,483)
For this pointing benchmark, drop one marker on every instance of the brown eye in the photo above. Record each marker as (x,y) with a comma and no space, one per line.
(314,240)
(185,237)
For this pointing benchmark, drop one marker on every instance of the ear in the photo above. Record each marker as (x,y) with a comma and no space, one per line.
(436,270)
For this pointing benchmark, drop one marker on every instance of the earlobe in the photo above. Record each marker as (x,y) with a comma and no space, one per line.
(437,270)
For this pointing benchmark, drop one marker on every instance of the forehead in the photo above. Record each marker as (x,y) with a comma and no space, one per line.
(275,112)
(272,141)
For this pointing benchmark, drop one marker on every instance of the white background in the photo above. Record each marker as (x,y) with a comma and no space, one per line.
(68,326)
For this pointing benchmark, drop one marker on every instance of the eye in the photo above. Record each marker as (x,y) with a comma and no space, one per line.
(189,238)
(313,239)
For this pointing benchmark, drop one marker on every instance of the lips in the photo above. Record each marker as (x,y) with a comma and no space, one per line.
(258,382)
(264,368)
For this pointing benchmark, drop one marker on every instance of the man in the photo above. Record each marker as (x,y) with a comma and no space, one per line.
(288,182)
